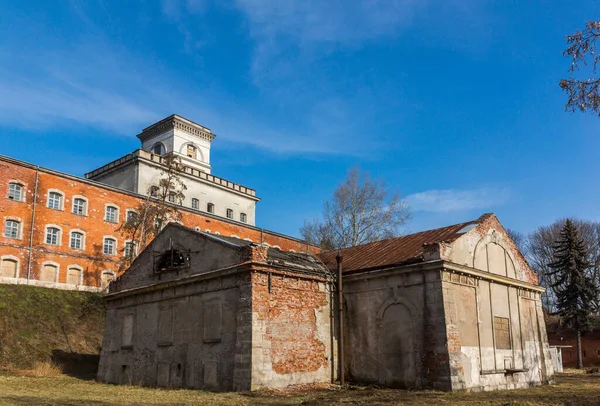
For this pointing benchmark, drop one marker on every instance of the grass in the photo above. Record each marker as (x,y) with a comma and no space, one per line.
(570,389)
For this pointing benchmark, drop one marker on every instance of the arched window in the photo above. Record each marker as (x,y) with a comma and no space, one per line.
(49,273)
(74,275)
(55,201)
(53,235)
(132,216)
(191,151)
(210,207)
(12,229)
(77,240)
(108,248)
(112,214)
(106,279)
(15,192)
(158,148)
(9,268)
(243,217)
(229,213)
(195,204)
(79,206)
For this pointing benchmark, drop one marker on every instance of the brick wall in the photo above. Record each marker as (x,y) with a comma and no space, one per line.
(590,347)
(291,330)
(91,259)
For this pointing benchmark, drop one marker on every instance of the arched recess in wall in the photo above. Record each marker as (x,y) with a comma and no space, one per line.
(493,255)
(399,343)
(198,151)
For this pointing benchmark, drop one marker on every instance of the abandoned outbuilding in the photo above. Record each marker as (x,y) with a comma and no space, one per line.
(451,308)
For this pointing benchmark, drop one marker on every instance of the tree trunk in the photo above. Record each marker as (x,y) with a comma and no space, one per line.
(579,359)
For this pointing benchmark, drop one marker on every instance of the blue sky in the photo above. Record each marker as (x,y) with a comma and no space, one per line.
(454,103)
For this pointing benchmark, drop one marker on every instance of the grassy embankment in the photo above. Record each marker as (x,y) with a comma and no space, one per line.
(40,327)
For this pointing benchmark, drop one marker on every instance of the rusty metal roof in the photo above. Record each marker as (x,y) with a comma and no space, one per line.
(407,249)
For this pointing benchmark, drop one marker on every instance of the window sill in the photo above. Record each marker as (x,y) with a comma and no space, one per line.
(15,200)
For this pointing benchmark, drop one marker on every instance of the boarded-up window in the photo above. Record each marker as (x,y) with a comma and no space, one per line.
(49,273)
(165,326)
(127,338)
(107,278)
(9,268)
(212,321)
(74,276)
(502,333)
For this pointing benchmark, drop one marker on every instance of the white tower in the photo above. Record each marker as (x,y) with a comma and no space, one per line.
(186,139)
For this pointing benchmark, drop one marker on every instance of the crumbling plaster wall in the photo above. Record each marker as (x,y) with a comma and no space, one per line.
(395,329)
(291,329)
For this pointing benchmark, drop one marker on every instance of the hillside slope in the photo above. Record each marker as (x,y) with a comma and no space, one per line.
(41,325)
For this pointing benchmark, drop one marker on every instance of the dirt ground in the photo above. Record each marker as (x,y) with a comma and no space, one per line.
(571,388)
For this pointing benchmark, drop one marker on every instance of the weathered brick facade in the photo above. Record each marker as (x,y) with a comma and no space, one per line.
(590,347)
(31,252)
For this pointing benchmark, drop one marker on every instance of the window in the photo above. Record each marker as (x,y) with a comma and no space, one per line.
(53,236)
(76,242)
(74,275)
(106,279)
(171,197)
(112,214)
(158,149)
(229,213)
(9,268)
(13,229)
(132,216)
(195,204)
(502,333)
(243,217)
(129,250)
(79,206)
(191,151)
(108,248)
(49,273)
(210,207)
(154,191)
(15,192)
(55,201)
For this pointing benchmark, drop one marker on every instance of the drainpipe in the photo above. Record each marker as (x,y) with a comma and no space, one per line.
(35,192)
(338,258)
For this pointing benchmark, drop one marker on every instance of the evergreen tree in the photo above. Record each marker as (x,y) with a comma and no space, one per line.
(575,290)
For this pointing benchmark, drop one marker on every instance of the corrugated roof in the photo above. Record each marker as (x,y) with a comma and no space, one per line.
(395,251)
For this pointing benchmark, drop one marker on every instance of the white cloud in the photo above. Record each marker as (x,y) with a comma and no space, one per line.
(447,200)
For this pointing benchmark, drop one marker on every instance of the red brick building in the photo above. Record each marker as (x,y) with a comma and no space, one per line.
(63,231)
(566,339)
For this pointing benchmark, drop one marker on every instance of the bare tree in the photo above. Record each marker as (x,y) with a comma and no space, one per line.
(519,238)
(159,207)
(540,252)
(584,95)
(361,210)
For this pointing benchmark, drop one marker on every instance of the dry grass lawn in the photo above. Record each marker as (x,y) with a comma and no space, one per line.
(570,389)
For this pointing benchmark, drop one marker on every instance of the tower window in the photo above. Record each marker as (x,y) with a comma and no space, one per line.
(15,192)
(243,217)
(210,207)
(53,236)
(195,204)
(108,247)
(158,149)
(55,201)
(191,151)
(13,229)
(229,213)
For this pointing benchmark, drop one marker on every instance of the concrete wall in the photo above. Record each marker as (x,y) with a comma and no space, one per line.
(177,337)
(395,333)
